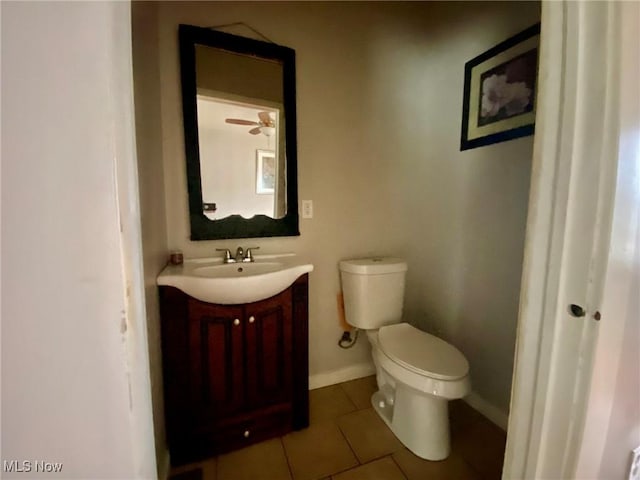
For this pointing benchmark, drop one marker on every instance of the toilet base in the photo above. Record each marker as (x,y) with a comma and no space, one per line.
(419,420)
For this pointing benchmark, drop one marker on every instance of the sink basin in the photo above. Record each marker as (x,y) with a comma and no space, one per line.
(237,270)
(212,281)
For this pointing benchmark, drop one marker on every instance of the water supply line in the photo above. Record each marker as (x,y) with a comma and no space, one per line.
(346,341)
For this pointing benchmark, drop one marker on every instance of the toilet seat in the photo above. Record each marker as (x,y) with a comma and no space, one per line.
(422,353)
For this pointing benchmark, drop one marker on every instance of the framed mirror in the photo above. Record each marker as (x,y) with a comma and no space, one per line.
(238,99)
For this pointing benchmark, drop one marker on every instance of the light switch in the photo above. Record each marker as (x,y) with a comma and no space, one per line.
(307,208)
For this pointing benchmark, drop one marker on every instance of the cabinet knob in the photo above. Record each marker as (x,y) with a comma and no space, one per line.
(252,319)
(236,322)
(247,433)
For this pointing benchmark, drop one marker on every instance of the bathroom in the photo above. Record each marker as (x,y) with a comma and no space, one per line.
(80,345)
(379,107)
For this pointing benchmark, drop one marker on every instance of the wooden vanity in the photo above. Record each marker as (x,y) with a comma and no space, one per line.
(233,374)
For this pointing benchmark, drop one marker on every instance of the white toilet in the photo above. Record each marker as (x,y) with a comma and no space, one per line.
(417,373)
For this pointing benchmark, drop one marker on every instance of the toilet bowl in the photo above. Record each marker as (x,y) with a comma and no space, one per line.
(415,389)
(417,373)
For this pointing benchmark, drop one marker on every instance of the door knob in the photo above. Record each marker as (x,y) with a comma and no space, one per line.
(577,310)
(247,433)
(252,319)
(236,322)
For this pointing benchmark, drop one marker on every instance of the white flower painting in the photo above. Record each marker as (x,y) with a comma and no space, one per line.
(497,93)
(507,90)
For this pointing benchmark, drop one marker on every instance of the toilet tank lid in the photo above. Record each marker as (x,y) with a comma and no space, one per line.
(373,265)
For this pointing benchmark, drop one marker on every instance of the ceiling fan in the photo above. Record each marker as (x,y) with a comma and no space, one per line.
(265,125)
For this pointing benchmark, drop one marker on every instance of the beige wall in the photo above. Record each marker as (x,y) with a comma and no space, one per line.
(465,212)
(152,197)
(244,75)
(379,110)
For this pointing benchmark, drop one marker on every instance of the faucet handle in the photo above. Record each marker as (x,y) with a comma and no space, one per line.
(248,256)
(227,254)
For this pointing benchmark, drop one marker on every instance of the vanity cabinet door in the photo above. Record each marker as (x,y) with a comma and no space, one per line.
(233,374)
(268,349)
(216,361)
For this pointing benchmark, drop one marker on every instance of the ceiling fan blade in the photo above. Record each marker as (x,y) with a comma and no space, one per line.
(238,121)
(265,118)
(255,131)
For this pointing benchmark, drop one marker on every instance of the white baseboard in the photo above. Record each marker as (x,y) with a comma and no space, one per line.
(164,466)
(487,409)
(345,374)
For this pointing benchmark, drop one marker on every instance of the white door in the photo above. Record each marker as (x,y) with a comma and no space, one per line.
(585,89)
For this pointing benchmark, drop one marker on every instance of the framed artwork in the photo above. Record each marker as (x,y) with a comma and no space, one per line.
(500,91)
(265,171)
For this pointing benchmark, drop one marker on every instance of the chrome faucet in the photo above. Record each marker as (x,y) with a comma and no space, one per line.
(227,255)
(248,255)
(240,256)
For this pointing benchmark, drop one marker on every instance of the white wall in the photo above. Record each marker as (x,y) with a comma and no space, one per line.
(73,354)
(379,98)
(623,432)
(612,420)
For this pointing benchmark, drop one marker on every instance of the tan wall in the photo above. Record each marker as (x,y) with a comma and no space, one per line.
(144,18)
(465,212)
(244,75)
(379,98)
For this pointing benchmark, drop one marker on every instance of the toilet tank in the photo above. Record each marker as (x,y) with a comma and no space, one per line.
(373,290)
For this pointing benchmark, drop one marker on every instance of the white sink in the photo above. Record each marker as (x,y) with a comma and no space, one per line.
(212,281)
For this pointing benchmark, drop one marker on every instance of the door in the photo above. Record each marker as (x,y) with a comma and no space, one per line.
(580,128)
(268,332)
(216,358)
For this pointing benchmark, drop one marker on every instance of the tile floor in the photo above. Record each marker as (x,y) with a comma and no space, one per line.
(348,441)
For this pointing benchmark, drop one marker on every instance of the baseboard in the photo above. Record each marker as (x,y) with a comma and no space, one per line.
(164,466)
(345,374)
(487,409)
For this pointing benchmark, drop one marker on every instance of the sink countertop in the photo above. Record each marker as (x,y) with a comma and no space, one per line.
(213,281)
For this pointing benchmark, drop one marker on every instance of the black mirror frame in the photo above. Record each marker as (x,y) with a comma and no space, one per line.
(235,226)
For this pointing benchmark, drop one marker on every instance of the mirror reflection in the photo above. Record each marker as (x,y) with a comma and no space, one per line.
(240,134)
(238,167)
(239,112)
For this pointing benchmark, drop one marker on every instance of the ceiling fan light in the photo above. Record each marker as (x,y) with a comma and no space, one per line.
(268,131)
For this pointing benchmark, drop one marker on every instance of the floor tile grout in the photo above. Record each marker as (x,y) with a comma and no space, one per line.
(355,455)
(355,407)
(371,461)
(347,469)
(351,447)
(471,467)
(404,474)
(286,456)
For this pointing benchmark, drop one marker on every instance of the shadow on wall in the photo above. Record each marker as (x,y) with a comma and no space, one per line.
(490,258)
